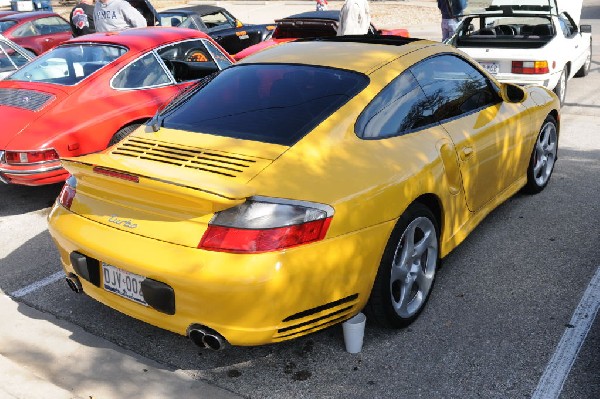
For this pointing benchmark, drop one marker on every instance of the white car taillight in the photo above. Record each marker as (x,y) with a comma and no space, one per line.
(530,67)
(266,224)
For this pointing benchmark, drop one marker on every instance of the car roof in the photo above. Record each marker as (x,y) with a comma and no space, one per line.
(180,11)
(140,39)
(202,9)
(329,14)
(21,16)
(357,53)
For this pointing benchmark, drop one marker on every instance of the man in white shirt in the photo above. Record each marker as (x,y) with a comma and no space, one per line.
(355,18)
(116,15)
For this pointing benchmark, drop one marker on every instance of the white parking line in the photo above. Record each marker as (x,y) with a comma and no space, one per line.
(37,285)
(557,370)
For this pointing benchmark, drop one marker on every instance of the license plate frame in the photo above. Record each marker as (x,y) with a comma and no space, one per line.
(123,283)
(491,67)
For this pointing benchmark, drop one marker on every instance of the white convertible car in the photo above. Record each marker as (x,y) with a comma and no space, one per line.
(527,41)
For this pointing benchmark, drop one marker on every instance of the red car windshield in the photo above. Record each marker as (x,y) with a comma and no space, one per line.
(272,103)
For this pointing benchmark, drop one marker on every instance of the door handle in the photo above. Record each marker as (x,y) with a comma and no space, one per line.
(466,153)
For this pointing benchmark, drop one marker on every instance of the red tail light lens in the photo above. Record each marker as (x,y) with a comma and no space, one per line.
(530,67)
(26,157)
(65,198)
(263,225)
(116,174)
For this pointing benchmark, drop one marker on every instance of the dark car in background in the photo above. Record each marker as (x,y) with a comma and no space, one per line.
(220,24)
(309,24)
(36,31)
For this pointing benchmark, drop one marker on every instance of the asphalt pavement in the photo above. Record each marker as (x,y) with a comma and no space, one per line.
(51,356)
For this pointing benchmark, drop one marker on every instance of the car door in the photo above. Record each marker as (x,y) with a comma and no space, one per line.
(52,31)
(574,46)
(487,133)
(228,31)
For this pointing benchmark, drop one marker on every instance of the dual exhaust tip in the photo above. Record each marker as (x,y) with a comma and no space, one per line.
(74,283)
(202,336)
(205,337)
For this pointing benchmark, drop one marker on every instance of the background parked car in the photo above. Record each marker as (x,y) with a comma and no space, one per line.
(12,56)
(309,24)
(228,31)
(36,31)
(31,5)
(528,41)
(91,92)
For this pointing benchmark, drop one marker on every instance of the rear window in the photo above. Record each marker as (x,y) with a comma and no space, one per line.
(68,64)
(271,103)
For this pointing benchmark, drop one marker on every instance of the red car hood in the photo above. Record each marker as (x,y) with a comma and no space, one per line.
(21,104)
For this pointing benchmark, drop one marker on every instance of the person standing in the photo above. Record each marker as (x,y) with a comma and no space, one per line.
(355,18)
(116,15)
(450,10)
(321,5)
(82,18)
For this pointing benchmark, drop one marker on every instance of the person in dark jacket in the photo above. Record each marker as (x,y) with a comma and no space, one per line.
(450,10)
(82,18)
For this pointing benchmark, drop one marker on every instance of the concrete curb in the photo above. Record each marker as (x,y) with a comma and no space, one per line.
(45,357)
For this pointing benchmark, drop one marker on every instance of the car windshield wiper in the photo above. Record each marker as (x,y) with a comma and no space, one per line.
(180,98)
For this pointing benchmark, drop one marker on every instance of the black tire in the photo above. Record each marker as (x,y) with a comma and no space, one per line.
(122,133)
(561,87)
(543,157)
(403,284)
(587,65)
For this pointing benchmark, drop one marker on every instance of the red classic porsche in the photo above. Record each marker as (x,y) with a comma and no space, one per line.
(91,92)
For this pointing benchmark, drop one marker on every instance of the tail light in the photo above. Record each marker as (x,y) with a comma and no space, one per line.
(65,198)
(530,67)
(266,224)
(27,157)
(116,174)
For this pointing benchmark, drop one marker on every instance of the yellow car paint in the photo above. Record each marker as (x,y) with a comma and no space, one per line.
(463,168)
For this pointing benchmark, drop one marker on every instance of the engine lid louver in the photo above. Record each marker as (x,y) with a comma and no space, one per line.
(221,163)
(26,99)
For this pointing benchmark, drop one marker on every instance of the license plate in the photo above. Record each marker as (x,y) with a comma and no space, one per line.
(491,67)
(123,283)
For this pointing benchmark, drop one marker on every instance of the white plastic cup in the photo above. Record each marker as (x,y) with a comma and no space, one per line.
(354,331)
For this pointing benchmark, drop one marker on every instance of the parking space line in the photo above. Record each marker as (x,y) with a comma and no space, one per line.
(552,381)
(37,285)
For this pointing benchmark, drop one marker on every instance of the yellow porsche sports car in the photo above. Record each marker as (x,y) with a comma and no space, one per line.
(306,183)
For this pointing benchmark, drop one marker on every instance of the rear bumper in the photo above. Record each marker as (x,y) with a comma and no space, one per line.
(33,175)
(549,80)
(250,299)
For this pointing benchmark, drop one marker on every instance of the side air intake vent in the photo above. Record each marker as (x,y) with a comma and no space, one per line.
(26,99)
(317,318)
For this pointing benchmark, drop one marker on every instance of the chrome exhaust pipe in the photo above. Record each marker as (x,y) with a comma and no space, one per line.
(74,283)
(205,337)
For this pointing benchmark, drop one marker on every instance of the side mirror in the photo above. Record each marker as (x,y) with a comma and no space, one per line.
(585,28)
(512,93)
(238,24)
